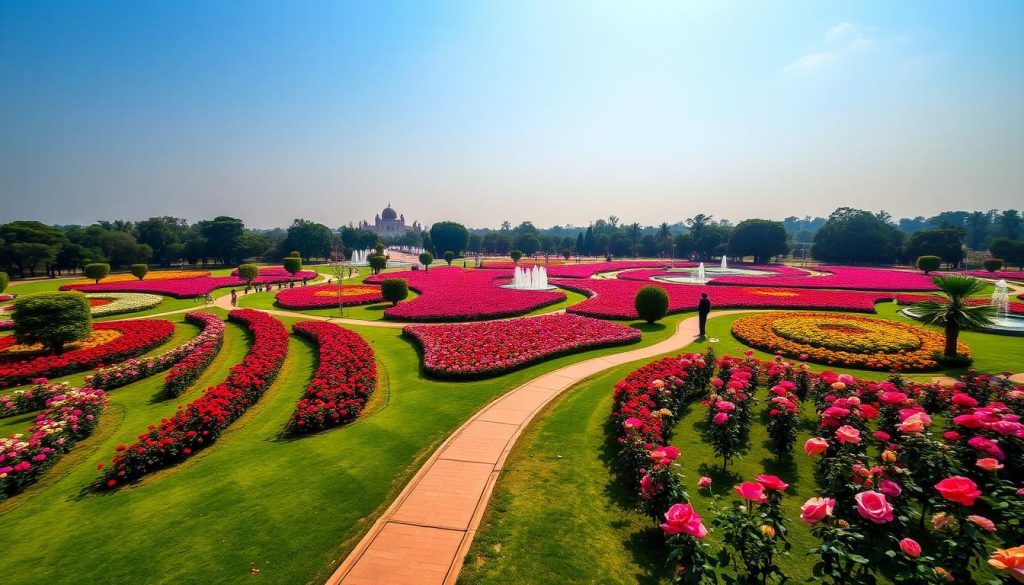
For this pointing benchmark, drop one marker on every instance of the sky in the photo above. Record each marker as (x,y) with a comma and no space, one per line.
(555,112)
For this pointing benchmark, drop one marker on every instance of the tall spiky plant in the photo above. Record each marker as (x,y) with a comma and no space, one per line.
(953,312)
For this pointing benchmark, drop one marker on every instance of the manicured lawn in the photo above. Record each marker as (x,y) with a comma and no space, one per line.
(255,500)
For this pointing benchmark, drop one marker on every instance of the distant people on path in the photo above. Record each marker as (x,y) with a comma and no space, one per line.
(703,309)
(209,298)
(234,298)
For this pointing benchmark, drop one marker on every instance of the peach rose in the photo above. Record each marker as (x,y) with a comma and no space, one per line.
(815,446)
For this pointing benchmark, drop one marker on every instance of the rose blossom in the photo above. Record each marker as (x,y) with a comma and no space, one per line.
(704,482)
(873,506)
(682,518)
(815,446)
(771,482)
(910,547)
(815,510)
(752,491)
(720,418)
(958,489)
(989,464)
(890,488)
(848,434)
(983,522)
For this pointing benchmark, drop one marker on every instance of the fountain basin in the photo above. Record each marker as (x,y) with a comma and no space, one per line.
(691,276)
(514,287)
(1012,325)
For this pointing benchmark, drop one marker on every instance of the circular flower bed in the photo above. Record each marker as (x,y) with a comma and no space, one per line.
(326,296)
(104,305)
(846,340)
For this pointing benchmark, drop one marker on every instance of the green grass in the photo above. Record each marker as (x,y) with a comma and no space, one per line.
(291,508)
(559,515)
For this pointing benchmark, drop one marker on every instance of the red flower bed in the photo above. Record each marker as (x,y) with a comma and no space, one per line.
(199,353)
(839,277)
(135,338)
(326,295)
(182,288)
(613,299)
(455,294)
(343,381)
(488,349)
(198,424)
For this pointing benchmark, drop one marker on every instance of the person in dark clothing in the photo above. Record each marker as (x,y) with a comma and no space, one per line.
(703,308)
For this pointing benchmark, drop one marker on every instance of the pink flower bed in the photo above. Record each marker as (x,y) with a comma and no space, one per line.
(497,347)
(839,277)
(613,299)
(343,382)
(326,295)
(452,293)
(279,271)
(592,268)
(181,288)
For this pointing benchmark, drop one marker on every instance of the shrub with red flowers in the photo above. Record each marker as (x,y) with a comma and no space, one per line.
(343,382)
(496,347)
(70,415)
(197,356)
(754,529)
(207,343)
(131,338)
(197,425)
(451,293)
(328,295)
(783,418)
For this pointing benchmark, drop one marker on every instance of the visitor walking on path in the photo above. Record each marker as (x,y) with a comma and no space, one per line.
(234,298)
(703,309)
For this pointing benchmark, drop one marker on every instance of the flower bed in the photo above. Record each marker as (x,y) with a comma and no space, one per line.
(279,271)
(590,269)
(999,274)
(497,347)
(117,303)
(155,275)
(344,380)
(844,340)
(6,324)
(613,299)
(838,277)
(181,288)
(122,340)
(71,415)
(326,296)
(451,293)
(1015,307)
(187,360)
(198,424)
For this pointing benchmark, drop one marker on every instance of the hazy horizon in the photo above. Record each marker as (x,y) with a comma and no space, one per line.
(480,113)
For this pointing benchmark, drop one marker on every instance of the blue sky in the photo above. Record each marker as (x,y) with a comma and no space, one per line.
(556,112)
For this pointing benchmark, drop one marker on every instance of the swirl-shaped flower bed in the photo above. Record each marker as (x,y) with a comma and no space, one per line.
(111,341)
(118,303)
(198,424)
(844,340)
(497,347)
(327,296)
(343,382)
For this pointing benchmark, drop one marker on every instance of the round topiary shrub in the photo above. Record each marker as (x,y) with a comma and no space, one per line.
(992,265)
(293,264)
(4,281)
(52,319)
(515,255)
(426,259)
(394,290)
(566,254)
(248,273)
(96,271)
(140,270)
(378,262)
(651,303)
(929,263)
(449,256)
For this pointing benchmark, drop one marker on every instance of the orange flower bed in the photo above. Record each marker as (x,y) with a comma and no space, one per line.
(844,340)
(157,275)
(98,337)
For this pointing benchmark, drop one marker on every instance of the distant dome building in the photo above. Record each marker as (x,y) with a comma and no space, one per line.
(390,223)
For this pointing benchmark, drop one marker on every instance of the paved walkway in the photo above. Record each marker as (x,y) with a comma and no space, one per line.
(424,535)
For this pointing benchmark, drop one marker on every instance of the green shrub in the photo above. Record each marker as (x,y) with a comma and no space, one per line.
(52,319)
(248,273)
(929,263)
(426,259)
(293,264)
(4,281)
(515,255)
(449,256)
(651,303)
(566,254)
(380,249)
(294,254)
(992,265)
(140,270)
(394,290)
(378,262)
(96,271)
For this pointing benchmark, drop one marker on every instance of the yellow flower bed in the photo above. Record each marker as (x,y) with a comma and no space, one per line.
(347,291)
(157,275)
(97,338)
(844,340)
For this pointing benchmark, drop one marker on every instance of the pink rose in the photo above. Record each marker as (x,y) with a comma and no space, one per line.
(915,423)
(983,522)
(874,507)
(959,489)
(989,464)
(720,418)
(848,434)
(771,482)
(704,482)
(682,518)
(815,446)
(890,488)
(752,491)
(815,510)
(633,423)
(910,547)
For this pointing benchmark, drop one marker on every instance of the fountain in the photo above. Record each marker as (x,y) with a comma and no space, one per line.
(1004,322)
(725,265)
(535,278)
(701,274)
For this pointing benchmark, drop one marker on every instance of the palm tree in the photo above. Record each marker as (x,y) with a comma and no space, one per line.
(664,235)
(952,311)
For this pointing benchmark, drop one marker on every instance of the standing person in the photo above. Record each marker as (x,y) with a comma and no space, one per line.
(234,298)
(209,299)
(703,309)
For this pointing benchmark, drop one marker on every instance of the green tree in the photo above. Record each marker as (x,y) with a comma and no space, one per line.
(394,290)
(528,242)
(566,253)
(222,234)
(426,259)
(990,264)
(589,243)
(97,271)
(945,242)
(311,239)
(929,263)
(664,238)
(4,281)
(651,303)
(1010,223)
(248,273)
(1010,251)
(760,238)
(140,270)
(378,262)
(449,256)
(953,312)
(516,255)
(52,319)
(854,235)
(293,264)
(449,235)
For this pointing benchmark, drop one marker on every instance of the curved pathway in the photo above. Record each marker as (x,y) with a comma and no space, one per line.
(424,535)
